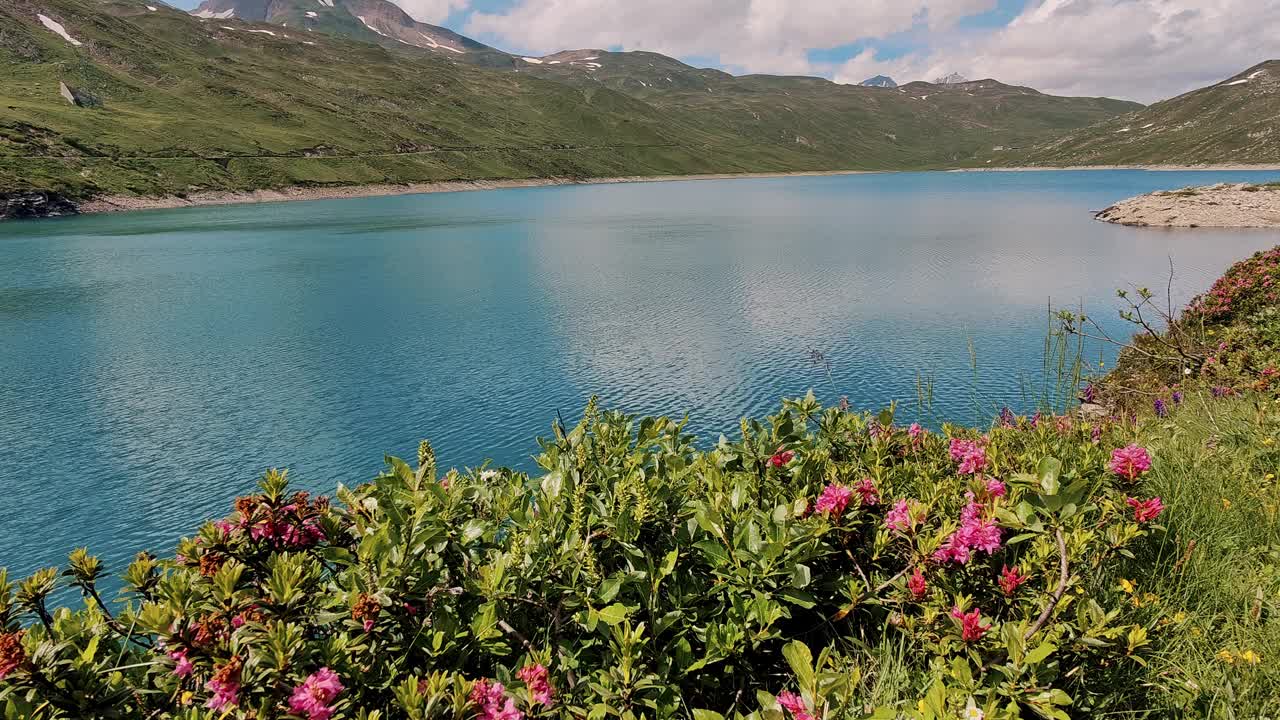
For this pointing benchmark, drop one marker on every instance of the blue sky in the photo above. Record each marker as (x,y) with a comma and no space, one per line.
(1140,49)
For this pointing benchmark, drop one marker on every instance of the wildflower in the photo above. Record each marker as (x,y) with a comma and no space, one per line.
(971,627)
(535,677)
(970,455)
(1006,417)
(1177,397)
(1145,510)
(1218,391)
(312,699)
(915,432)
(904,516)
(971,711)
(12,656)
(1090,393)
(1130,462)
(781,457)
(1127,586)
(1095,435)
(365,611)
(833,500)
(1162,410)
(1011,580)
(224,686)
(975,533)
(794,704)
(182,666)
(917,585)
(1226,504)
(493,705)
(867,492)
(1225,656)
(1250,657)
(995,488)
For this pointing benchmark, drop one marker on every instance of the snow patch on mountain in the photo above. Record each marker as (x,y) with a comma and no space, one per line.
(57,28)
(211,15)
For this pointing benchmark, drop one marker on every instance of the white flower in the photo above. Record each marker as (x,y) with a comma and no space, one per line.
(1186,371)
(971,711)
(488,474)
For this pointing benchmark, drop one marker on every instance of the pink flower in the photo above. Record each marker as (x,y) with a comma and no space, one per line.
(492,703)
(995,488)
(971,627)
(314,696)
(368,625)
(182,666)
(867,491)
(1145,510)
(781,457)
(224,686)
(535,677)
(1011,580)
(794,704)
(833,500)
(905,515)
(917,585)
(975,533)
(1130,462)
(970,454)
(915,432)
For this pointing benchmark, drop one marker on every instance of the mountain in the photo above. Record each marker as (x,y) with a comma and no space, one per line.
(880,81)
(952,79)
(1232,121)
(158,101)
(376,21)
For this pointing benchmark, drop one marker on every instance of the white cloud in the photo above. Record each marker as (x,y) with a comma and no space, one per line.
(1146,50)
(430,11)
(752,35)
(1140,49)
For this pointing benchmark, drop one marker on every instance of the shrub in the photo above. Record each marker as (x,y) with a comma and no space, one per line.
(826,564)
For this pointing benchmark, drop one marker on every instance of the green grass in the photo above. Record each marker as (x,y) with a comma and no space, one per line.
(191,105)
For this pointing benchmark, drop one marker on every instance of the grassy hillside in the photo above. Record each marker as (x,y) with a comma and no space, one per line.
(175,103)
(1233,121)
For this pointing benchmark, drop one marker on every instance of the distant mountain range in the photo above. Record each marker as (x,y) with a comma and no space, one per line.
(880,81)
(247,94)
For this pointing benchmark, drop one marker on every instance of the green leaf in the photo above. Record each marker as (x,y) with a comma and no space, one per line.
(613,614)
(800,659)
(1047,473)
(800,576)
(798,597)
(1044,650)
(699,714)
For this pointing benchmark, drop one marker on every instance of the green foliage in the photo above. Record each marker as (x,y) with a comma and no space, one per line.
(652,580)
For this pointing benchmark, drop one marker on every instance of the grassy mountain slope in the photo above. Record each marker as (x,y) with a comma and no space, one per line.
(218,103)
(1233,121)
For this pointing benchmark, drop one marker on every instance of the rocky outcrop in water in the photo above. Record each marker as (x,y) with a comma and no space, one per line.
(34,204)
(1240,205)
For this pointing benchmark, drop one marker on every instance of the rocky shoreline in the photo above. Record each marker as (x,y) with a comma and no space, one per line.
(1238,205)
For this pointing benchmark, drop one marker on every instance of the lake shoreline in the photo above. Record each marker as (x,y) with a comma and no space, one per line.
(129,203)
(1239,205)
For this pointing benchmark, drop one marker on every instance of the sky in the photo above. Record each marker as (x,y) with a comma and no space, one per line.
(1143,50)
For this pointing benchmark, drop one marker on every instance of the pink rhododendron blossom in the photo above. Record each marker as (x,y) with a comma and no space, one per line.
(975,533)
(1130,462)
(867,492)
(224,687)
(971,627)
(182,666)
(1011,579)
(492,702)
(970,454)
(1145,510)
(995,488)
(833,500)
(794,704)
(904,516)
(781,457)
(915,432)
(313,698)
(536,678)
(917,585)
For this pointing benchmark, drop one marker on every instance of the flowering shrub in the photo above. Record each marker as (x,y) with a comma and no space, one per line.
(634,576)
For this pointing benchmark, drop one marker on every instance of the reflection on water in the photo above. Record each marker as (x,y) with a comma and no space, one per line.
(154,364)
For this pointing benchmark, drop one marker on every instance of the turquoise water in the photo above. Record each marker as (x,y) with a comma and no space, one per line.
(154,364)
